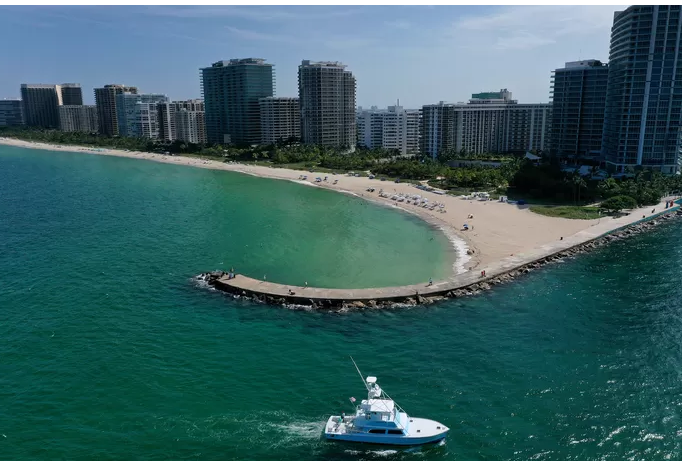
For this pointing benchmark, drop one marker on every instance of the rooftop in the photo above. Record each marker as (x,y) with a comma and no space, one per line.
(309,63)
(380,405)
(241,62)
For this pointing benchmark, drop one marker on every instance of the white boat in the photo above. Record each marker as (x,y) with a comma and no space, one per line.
(379,420)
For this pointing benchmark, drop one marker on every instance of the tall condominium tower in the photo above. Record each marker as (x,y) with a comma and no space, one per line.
(72,94)
(105,100)
(41,105)
(231,90)
(393,128)
(280,119)
(138,114)
(644,91)
(578,103)
(326,93)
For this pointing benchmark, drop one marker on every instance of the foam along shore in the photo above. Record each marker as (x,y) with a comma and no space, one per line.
(457,286)
(496,230)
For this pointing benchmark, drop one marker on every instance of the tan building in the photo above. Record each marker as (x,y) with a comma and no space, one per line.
(327,97)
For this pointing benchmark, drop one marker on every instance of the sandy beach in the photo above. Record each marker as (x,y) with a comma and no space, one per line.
(497,230)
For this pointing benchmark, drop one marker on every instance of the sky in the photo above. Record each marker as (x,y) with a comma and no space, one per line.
(417,54)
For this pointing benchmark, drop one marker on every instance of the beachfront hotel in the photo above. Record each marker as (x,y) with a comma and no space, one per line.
(41,105)
(644,92)
(105,100)
(138,114)
(11,112)
(231,90)
(491,122)
(326,91)
(578,100)
(280,119)
(393,128)
(78,118)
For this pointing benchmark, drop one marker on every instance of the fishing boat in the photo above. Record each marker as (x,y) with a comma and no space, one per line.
(380,420)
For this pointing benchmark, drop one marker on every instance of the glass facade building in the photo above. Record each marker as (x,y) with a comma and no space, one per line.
(231,90)
(578,102)
(644,92)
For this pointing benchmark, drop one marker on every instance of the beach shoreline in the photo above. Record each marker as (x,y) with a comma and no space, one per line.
(496,230)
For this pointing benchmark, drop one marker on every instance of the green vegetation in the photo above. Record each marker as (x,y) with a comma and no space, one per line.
(544,183)
(569,212)
(619,202)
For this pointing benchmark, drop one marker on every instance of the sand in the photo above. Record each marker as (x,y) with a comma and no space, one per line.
(497,230)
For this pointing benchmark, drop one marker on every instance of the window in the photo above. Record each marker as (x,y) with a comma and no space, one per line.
(395,432)
(377,431)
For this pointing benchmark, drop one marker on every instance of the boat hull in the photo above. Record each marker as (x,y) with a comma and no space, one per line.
(419,432)
(386,440)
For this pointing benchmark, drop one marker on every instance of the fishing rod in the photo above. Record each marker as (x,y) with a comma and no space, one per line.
(361,377)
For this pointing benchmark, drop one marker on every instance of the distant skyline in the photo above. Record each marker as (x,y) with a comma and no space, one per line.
(420,55)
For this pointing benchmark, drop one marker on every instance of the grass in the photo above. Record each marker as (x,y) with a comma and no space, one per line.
(569,212)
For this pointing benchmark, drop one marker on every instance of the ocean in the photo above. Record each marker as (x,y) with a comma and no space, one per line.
(110,350)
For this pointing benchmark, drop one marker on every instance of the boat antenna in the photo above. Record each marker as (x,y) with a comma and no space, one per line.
(361,377)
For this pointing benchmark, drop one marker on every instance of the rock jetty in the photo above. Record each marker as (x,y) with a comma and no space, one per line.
(469,285)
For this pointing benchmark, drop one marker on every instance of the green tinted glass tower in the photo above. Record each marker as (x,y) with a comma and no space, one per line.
(231,90)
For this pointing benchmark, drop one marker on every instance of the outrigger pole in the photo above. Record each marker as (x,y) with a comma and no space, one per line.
(361,377)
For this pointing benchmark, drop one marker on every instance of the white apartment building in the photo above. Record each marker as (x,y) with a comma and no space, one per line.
(182,121)
(280,119)
(190,126)
(489,123)
(138,114)
(393,128)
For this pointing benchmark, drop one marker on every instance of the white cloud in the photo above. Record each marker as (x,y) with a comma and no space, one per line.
(254,13)
(253,35)
(528,27)
(398,24)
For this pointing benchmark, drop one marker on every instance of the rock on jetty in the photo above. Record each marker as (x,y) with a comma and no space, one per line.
(468,284)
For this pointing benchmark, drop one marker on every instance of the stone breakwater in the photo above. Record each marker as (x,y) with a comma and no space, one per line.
(467,285)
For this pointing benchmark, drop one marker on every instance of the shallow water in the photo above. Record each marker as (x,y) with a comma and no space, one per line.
(109,351)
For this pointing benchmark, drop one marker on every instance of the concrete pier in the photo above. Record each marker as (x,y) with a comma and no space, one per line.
(464,284)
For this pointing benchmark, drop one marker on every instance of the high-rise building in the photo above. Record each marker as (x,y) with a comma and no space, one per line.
(182,121)
(489,123)
(190,126)
(393,128)
(231,90)
(41,105)
(72,94)
(326,93)
(166,121)
(644,92)
(578,102)
(280,119)
(11,112)
(138,114)
(78,118)
(105,100)
(438,128)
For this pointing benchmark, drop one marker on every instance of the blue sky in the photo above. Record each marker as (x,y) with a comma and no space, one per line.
(420,55)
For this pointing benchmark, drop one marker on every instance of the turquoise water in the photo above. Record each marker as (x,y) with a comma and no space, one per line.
(110,352)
